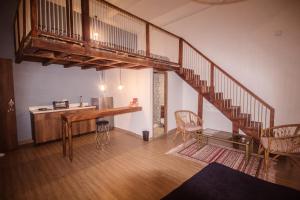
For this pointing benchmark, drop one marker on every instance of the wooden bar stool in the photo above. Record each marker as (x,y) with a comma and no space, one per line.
(102,128)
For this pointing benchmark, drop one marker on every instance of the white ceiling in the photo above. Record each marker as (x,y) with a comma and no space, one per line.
(161,12)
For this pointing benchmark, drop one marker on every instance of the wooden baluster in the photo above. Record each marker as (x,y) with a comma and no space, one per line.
(200,105)
(216,83)
(195,65)
(241,104)
(235,99)
(58,9)
(219,84)
(223,88)
(85,21)
(227,92)
(180,55)
(261,114)
(254,112)
(17,31)
(231,95)
(148,40)
(33,17)
(53,16)
(69,11)
(212,80)
(249,110)
(50,19)
(24,18)
(266,117)
(272,117)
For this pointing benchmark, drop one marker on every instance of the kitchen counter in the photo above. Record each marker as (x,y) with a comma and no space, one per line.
(46,124)
(35,109)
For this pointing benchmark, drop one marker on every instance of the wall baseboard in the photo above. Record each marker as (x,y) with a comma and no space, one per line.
(171,131)
(128,132)
(25,142)
(131,133)
(30,141)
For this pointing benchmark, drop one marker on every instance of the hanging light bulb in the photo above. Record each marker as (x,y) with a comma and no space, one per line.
(102,86)
(120,87)
(96,36)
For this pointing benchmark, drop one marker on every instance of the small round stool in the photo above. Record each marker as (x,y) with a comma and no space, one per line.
(102,127)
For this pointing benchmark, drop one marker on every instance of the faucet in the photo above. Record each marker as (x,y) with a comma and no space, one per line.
(81,103)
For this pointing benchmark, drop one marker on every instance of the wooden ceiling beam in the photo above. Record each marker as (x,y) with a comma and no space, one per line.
(89,67)
(131,65)
(49,57)
(81,63)
(57,57)
(94,65)
(84,51)
(113,63)
(49,62)
(102,68)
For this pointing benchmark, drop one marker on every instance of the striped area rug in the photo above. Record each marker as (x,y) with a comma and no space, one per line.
(230,157)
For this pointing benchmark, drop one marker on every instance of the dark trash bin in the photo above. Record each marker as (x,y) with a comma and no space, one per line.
(146,135)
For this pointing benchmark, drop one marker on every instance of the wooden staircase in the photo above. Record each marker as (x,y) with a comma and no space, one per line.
(241,118)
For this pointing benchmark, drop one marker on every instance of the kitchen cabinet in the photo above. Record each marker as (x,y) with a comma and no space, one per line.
(46,126)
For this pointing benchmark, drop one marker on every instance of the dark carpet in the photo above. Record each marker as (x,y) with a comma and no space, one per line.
(218,182)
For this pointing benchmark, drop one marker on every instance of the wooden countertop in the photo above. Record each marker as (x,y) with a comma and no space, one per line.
(94,114)
(36,111)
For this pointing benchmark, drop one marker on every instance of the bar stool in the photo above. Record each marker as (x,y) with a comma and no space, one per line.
(102,128)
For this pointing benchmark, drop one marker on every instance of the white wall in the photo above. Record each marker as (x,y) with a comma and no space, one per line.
(137,83)
(174,98)
(36,85)
(189,98)
(256,41)
(214,119)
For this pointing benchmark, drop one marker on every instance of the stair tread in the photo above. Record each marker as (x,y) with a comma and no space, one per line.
(233,107)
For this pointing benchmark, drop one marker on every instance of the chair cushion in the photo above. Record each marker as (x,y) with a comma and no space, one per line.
(281,145)
(192,127)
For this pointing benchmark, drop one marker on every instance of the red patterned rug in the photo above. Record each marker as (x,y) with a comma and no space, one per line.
(230,157)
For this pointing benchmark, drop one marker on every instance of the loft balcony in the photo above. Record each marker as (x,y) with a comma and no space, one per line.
(91,34)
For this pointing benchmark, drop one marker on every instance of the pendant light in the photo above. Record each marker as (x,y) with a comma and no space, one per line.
(120,86)
(102,86)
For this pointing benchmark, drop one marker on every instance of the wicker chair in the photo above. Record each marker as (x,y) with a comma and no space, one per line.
(281,140)
(187,122)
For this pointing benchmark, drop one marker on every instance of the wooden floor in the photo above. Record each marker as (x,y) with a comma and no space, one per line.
(126,169)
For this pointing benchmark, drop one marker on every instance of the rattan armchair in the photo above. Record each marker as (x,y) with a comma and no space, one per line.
(187,123)
(281,140)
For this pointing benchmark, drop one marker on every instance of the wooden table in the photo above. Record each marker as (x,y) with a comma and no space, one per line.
(235,139)
(68,119)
